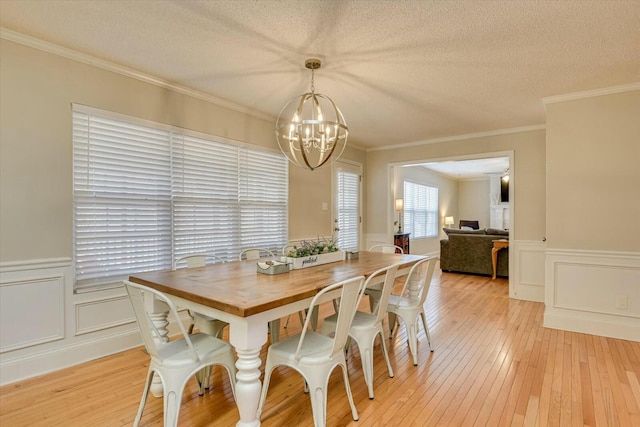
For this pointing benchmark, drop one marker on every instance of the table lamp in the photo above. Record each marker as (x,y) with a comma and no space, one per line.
(399,207)
(448,221)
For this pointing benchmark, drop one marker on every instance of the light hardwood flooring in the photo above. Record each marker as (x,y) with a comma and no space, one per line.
(494,364)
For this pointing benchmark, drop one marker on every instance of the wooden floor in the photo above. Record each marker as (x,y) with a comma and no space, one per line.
(494,364)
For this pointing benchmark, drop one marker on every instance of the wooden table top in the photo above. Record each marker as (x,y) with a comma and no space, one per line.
(237,288)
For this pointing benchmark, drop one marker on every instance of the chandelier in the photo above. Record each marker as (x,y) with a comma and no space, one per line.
(310,129)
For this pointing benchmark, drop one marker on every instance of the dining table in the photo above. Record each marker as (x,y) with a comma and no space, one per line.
(235,292)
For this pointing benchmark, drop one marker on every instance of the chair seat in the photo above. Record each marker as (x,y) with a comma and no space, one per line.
(396,301)
(177,353)
(362,320)
(315,348)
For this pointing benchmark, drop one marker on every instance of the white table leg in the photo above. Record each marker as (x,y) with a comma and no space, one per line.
(248,387)
(248,338)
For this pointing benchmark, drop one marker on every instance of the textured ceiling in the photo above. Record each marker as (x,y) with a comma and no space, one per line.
(401,71)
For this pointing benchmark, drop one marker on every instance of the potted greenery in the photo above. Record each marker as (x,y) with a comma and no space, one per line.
(314,252)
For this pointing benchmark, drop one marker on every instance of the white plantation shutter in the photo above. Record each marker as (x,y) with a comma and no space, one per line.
(227,198)
(205,193)
(348,212)
(263,200)
(144,194)
(122,195)
(420,210)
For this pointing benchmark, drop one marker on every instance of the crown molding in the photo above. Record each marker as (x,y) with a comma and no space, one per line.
(591,93)
(84,58)
(461,137)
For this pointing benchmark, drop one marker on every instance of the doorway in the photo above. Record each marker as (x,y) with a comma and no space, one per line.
(502,164)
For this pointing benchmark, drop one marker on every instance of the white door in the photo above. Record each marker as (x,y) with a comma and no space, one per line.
(347,183)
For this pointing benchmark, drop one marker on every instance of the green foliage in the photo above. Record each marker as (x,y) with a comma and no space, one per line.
(313,247)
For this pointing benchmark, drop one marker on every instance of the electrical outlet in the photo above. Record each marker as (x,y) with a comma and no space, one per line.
(622,301)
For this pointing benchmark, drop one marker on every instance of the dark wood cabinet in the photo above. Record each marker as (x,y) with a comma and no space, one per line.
(402,240)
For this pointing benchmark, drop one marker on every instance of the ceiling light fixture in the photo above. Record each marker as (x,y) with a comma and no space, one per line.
(310,129)
(505,176)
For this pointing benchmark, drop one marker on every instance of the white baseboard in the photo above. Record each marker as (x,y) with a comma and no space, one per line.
(43,362)
(593,324)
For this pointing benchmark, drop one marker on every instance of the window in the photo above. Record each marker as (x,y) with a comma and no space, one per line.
(146,193)
(420,210)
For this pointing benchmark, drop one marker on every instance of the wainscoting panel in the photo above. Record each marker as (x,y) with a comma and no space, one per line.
(526,278)
(99,314)
(45,326)
(31,309)
(593,292)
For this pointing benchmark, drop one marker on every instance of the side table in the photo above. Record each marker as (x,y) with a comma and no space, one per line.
(402,240)
(497,245)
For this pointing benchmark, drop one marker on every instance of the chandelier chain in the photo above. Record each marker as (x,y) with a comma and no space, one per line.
(313,88)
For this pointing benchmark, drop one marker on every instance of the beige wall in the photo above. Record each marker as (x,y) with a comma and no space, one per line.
(593,173)
(37,90)
(473,201)
(528,180)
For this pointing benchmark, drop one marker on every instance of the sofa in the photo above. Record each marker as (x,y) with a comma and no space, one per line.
(469,251)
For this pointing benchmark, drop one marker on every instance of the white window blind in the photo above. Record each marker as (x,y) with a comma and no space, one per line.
(348,212)
(420,210)
(144,194)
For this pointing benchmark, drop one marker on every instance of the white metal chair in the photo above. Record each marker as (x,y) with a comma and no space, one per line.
(409,304)
(178,360)
(285,251)
(205,324)
(367,326)
(386,248)
(287,248)
(374,292)
(314,355)
(255,253)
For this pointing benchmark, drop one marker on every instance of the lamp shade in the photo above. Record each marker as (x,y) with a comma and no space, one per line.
(399,204)
(448,220)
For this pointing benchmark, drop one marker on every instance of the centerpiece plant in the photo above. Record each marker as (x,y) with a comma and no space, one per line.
(314,247)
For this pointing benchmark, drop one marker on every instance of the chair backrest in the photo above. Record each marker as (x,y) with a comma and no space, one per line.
(196,260)
(416,287)
(386,248)
(150,335)
(350,296)
(288,248)
(472,224)
(255,253)
(389,279)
